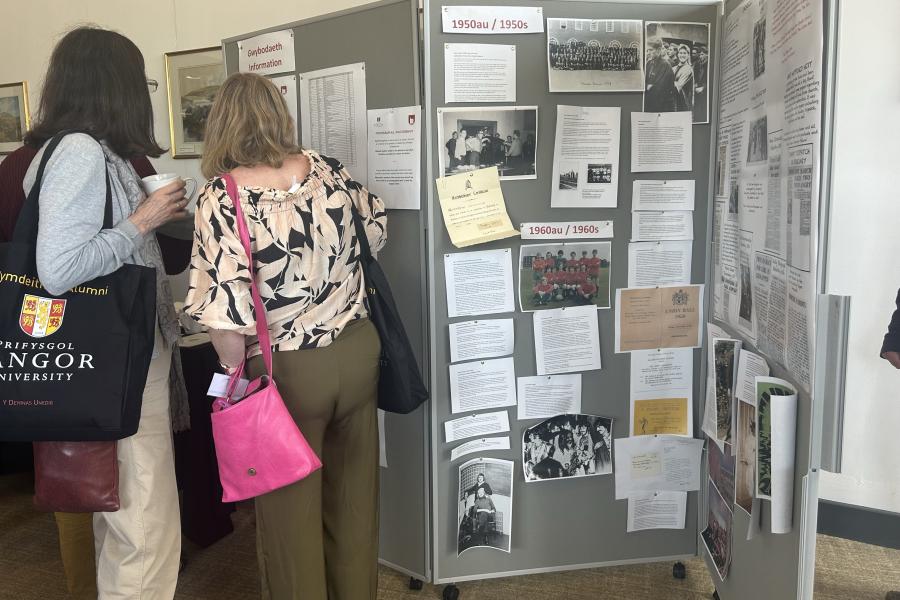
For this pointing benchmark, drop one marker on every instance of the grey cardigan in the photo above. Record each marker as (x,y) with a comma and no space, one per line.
(72,247)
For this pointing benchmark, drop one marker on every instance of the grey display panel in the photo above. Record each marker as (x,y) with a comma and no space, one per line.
(385,36)
(782,566)
(571,524)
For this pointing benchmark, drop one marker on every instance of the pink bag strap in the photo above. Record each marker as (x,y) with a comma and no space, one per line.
(262,326)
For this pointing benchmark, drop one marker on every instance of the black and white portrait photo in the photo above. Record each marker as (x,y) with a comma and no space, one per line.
(734,199)
(479,137)
(758,142)
(561,275)
(677,69)
(759,48)
(484,504)
(585,55)
(565,446)
(599,173)
(745,310)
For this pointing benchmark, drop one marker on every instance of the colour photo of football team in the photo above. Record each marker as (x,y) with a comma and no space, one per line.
(564,275)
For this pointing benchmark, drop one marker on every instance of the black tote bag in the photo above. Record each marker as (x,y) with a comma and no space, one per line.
(72,367)
(400,386)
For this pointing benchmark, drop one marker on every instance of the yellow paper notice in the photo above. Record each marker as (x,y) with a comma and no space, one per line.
(473,207)
(660,416)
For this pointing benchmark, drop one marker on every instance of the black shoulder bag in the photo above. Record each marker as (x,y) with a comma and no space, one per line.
(400,386)
(72,367)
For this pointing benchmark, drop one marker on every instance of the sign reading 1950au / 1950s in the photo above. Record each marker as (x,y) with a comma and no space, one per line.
(267,53)
(492,19)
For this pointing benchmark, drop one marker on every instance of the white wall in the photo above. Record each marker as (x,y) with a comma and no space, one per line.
(28,34)
(864,252)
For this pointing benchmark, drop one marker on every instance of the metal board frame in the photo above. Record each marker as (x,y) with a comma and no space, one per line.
(385,35)
(590,530)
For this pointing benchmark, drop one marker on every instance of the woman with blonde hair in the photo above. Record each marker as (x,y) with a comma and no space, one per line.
(317,538)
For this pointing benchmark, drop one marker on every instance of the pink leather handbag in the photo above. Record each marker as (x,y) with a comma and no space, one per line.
(258,445)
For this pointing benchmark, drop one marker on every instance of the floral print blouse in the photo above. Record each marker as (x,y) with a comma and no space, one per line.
(306,255)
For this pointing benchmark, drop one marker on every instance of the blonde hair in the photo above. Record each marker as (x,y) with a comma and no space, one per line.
(248,124)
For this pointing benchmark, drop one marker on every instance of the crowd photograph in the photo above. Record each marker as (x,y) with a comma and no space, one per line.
(484,504)
(564,275)
(717,535)
(725,354)
(677,69)
(565,446)
(480,137)
(585,55)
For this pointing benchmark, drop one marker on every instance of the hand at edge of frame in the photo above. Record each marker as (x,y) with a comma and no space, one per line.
(893,358)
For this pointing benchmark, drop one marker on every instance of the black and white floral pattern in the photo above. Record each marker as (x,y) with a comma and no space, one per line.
(306,256)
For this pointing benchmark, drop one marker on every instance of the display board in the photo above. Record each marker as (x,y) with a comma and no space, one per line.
(384,36)
(812,330)
(567,524)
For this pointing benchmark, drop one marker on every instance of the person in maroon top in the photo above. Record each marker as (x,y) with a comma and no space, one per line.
(542,292)
(176,251)
(75,529)
(587,290)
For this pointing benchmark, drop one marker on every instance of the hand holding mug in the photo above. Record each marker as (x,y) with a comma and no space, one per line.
(166,201)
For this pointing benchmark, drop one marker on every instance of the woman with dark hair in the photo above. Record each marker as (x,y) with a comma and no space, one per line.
(96,86)
(684,80)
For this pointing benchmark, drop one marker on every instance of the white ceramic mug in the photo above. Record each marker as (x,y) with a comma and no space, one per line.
(152,183)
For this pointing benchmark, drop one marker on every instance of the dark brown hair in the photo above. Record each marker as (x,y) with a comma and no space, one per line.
(96,83)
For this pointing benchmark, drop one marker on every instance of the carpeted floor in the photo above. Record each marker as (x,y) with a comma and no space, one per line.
(30,569)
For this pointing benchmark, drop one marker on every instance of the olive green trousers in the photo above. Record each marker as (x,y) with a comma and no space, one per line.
(76,545)
(317,539)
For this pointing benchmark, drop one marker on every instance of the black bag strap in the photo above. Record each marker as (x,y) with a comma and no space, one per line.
(364,249)
(27,224)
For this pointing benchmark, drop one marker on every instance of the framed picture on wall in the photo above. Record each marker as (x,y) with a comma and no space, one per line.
(14,117)
(192,78)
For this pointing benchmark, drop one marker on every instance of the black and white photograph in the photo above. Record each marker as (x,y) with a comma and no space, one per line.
(563,275)
(734,199)
(484,504)
(585,55)
(565,446)
(717,535)
(745,309)
(759,48)
(568,176)
(677,68)
(758,142)
(599,173)
(14,116)
(725,353)
(192,77)
(486,136)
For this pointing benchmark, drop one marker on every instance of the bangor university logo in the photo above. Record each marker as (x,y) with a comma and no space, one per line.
(680,298)
(41,317)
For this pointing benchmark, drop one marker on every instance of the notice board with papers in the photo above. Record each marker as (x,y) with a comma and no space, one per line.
(563,524)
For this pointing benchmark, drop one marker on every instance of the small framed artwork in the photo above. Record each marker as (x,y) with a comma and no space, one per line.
(14,117)
(192,78)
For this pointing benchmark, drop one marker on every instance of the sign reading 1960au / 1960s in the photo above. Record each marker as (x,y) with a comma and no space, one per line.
(267,53)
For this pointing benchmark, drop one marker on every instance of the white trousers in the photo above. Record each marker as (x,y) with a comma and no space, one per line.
(138,548)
